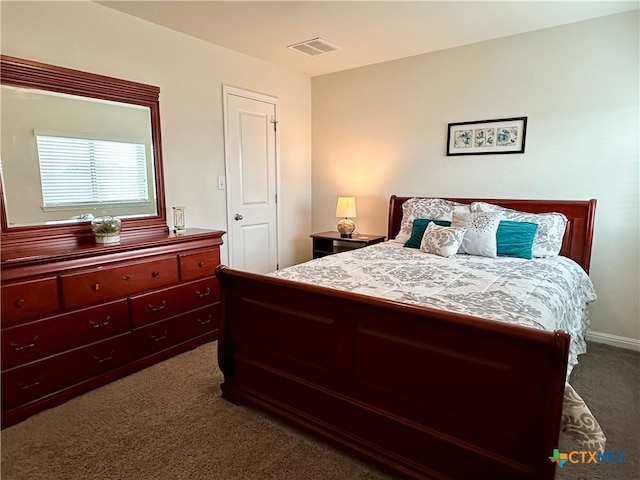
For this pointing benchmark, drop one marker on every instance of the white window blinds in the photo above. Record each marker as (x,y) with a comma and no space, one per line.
(80,171)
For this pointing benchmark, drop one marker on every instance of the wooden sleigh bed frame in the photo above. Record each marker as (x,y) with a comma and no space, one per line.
(423,392)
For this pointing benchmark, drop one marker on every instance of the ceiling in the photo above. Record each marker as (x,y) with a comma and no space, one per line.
(367,32)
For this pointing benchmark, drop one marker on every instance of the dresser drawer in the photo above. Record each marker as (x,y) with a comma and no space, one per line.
(151,307)
(198,264)
(167,333)
(26,301)
(36,379)
(38,339)
(107,283)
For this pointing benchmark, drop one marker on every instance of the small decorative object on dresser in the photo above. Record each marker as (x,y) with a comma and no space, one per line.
(107,229)
(178,220)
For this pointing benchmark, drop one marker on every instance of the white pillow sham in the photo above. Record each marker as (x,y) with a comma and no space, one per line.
(547,241)
(433,208)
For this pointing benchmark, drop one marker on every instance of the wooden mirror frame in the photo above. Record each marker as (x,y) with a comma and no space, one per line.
(29,74)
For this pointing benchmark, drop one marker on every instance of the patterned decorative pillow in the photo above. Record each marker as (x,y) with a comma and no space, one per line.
(551,226)
(417,232)
(435,208)
(480,238)
(443,241)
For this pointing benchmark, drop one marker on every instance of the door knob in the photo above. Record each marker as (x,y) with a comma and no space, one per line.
(238,216)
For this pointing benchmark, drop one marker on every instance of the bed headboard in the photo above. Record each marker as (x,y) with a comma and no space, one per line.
(577,237)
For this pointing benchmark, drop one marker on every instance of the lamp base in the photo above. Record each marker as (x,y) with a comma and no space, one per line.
(346,227)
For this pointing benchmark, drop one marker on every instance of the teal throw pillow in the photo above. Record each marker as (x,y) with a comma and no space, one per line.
(417,231)
(515,239)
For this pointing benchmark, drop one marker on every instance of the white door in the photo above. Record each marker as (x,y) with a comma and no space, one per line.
(250,148)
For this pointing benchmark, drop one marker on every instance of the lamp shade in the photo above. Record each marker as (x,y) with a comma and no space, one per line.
(346,207)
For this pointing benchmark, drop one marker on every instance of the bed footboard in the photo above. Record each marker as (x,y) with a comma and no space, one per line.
(426,393)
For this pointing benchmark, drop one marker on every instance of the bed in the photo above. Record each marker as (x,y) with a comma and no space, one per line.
(425,391)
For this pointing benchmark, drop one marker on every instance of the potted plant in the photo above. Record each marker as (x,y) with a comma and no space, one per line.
(106,229)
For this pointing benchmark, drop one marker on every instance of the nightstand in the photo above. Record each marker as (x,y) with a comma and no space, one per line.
(328,243)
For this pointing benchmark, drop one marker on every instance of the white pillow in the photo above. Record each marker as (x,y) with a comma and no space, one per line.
(480,237)
(433,208)
(547,241)
(401,238)
(443,241)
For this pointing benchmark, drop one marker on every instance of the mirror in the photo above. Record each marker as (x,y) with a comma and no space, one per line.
(75,146)
(67,158)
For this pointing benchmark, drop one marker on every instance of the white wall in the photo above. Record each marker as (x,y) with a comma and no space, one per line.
(190,73)
(381,130)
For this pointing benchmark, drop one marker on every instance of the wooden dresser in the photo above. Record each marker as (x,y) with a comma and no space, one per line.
(75,318)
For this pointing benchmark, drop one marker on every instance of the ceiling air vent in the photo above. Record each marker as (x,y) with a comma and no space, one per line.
(314,47)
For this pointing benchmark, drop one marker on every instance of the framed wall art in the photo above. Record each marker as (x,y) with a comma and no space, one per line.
(487,137)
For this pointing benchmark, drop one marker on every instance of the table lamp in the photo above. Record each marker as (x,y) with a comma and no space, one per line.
(346,208)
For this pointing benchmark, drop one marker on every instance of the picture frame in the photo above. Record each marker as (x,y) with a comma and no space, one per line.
(487,137)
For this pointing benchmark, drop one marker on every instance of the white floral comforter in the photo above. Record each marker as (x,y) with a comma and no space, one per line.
(546,293)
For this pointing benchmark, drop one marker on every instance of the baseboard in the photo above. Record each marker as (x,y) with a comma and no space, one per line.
(614,340)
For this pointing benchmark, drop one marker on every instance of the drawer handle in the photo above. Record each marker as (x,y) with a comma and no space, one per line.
(155,274)
(19,348)
(201,264)
(159,307)
(159,338)
(22,386)
(106,322)
(104,359)
(95,287)
(205,321)
(20,302)
(127,277)
(203,294)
